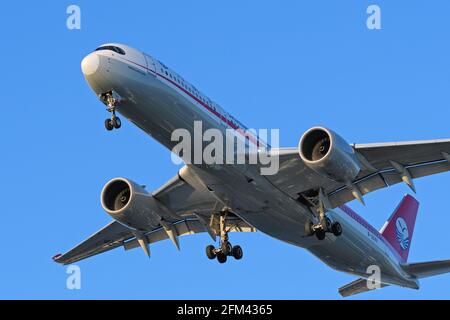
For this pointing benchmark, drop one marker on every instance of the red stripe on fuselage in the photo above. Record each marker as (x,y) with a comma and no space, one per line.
(360,220)
(204,105)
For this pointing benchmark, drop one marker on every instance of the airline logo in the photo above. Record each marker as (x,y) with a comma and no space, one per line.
(401,231)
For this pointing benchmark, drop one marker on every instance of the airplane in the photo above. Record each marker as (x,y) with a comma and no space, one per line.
(303,203)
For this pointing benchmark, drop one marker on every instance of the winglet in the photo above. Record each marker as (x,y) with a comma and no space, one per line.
(56,256)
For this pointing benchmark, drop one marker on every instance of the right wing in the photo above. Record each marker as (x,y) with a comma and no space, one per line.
(388,164)
(195,206)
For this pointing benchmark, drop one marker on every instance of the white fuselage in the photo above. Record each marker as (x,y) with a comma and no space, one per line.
(158,101)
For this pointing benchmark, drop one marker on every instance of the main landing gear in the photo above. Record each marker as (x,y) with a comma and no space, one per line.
(225,248)
(325,224)
(113,122)
(320,230)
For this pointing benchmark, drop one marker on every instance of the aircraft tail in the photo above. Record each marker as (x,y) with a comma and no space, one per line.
(398,231)
(399,228)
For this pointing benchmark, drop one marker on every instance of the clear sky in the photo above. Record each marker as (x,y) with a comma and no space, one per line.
(288,65)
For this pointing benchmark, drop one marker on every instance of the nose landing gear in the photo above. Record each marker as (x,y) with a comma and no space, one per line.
(113,122)
(225,248)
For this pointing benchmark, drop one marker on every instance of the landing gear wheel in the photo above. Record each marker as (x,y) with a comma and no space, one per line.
(320,234)
(336,228)
(210,253)
(116,122)
(109,125)
(221,257)
(226,248)
(309,231)
(237,252)
(328,225)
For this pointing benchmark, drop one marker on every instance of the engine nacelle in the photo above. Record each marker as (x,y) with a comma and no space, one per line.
(328,154)
(130,204)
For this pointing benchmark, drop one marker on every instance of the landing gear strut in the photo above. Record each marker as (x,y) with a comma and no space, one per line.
(325,224)
(114,121)
(225,248)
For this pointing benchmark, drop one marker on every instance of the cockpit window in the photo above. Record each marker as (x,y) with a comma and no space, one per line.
(112,48)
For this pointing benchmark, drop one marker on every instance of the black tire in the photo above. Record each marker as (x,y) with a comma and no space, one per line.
(116,122)
(336,229)
(226,248)
(108,125)
(237,252)
(309,228)
(222,258)
(329,226)
(210,252)
(320,234)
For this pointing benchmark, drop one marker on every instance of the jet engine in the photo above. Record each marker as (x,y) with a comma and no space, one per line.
(328,154)
(130,204)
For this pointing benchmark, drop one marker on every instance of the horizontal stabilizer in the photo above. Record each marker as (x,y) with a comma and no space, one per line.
(355,287)
(427,269)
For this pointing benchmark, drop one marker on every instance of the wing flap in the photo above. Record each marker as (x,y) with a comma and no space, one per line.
(386,178)
(189,227)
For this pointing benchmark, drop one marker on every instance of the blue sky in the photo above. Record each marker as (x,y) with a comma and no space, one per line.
(289,66)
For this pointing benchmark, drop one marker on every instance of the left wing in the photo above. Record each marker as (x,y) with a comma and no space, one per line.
(116,235)
(194,206)
(111,236)
(390,163)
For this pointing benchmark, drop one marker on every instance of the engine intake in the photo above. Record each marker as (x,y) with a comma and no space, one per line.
(316,145)
(130,204)
(117,195)
(328,154)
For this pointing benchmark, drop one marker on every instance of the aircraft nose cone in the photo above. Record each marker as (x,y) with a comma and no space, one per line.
(90,64)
